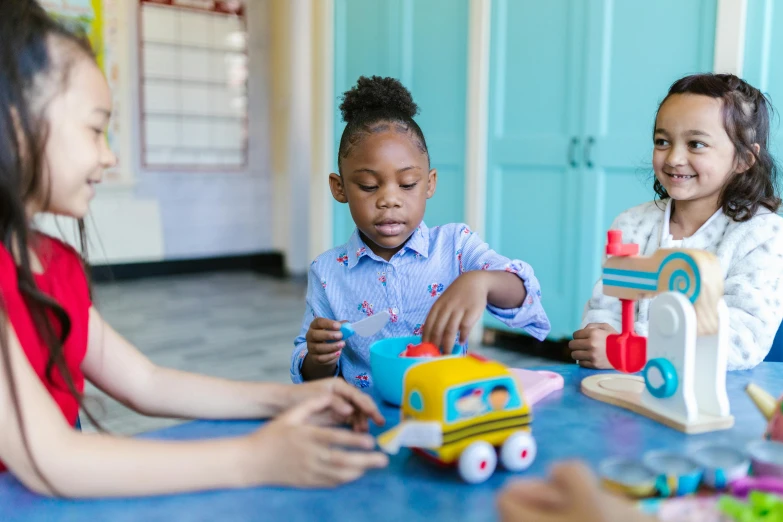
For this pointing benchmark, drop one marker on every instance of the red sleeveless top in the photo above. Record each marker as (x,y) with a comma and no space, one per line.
(64,280)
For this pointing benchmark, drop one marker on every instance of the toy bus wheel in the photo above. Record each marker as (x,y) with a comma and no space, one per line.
(518,452)
(477,462)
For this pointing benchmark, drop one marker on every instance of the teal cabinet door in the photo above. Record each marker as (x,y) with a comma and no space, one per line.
(574,88)
(763,66)
(536,64)
(635,51)
(424,44)
(363,41)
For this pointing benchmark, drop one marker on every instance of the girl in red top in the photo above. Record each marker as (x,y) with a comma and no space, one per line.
(54,107)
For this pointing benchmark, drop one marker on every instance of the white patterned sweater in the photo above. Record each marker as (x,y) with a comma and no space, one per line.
(751,256)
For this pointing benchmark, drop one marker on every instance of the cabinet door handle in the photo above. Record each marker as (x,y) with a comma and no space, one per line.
(572,152)
(588,152)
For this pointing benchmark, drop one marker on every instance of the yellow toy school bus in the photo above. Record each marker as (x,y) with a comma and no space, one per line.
(459,410)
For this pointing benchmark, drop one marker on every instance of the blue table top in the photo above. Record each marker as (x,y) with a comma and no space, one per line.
(566,425)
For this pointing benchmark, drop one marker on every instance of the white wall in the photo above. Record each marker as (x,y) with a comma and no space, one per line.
(291,81)
(217,213)
(730,36)
(150,215)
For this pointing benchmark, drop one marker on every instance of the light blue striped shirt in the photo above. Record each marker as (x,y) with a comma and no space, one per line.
(350,282)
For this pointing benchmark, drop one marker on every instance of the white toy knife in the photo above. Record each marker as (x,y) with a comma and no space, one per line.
(366,327)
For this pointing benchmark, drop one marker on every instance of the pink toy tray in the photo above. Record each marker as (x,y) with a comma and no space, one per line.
(537,384)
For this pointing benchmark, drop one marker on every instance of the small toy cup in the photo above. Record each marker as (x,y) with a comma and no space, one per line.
(722,465)
(766,457)
(628,477)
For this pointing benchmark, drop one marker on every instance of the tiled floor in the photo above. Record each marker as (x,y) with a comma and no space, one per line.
(233,325)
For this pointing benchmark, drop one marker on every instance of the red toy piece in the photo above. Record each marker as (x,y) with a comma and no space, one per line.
(421,350)
(615,246)
(626,351)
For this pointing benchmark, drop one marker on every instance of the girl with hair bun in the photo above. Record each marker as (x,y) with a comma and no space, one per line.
(434,282)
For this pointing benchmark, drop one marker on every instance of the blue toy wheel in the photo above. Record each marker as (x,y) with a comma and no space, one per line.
(668,374)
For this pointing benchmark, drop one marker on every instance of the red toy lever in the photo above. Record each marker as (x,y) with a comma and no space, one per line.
(615,246)
(626,351)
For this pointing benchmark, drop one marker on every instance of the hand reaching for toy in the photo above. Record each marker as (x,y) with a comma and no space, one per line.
(456,311)
(571,494)
(348,404)
(293,450)
(588,347)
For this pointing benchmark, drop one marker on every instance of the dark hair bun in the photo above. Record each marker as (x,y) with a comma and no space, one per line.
(378,95)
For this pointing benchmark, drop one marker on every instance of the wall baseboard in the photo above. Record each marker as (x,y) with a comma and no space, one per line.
(267,263)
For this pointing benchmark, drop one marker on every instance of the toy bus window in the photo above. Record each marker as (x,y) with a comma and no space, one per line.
(415,401)
(477,398)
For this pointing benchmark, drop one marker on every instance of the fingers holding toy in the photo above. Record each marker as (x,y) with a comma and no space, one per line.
(362,406)
(324,330)
(292,451)
(445,327)
(324,341)
(348,405)
(351,406)
(588,348)
(456,311)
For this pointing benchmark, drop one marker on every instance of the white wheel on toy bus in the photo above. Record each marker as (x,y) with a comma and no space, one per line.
(477,462)
(518,452)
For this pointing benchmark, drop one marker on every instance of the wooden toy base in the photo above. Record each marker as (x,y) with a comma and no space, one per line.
(625,391)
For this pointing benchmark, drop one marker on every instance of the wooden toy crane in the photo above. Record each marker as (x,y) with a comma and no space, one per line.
(683,361)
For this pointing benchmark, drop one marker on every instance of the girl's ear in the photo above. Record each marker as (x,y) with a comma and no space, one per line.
(744,164)
(432,181)
(338,188)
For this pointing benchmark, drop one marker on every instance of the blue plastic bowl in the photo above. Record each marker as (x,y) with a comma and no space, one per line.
(388,368)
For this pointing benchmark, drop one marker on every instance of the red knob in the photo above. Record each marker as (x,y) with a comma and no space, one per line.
(615,246)
(615,237)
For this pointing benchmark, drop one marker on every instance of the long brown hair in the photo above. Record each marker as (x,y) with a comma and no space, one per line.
(36,56)
(746,117)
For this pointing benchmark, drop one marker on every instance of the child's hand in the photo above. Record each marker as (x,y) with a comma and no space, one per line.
(571,494)
(588,347)
(348,405)
(324,341)
(456,311)
(293,450)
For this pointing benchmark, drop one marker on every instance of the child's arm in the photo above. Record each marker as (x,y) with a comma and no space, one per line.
(119,369)
(506,288)
(288,451)
(517,305)
(319,327)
